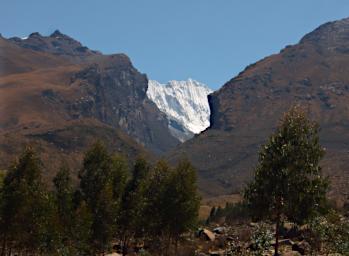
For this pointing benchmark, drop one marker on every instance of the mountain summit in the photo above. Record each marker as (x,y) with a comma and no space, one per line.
(185,104)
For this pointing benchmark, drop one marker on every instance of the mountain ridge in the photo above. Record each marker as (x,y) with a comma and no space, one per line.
(247,109)
(63,99)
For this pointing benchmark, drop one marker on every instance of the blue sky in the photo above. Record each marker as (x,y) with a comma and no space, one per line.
(207,40)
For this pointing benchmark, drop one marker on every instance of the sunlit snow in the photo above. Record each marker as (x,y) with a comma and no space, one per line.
(184,101)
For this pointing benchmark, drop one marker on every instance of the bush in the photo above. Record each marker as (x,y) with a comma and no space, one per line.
(330,234)
(261,239)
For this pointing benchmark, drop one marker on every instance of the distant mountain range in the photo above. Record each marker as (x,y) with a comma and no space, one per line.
(185,104)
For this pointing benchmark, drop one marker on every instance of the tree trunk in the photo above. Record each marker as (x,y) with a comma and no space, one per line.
(277,235)
(176,246)
(168,244)
(3,249)
(124,246)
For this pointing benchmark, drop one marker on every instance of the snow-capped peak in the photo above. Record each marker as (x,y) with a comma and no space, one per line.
(184,102)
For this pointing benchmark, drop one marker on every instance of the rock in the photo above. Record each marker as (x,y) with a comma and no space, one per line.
(302,247)
(206,234)
(219,230)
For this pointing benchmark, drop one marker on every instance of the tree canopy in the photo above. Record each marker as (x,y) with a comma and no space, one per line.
(288,182)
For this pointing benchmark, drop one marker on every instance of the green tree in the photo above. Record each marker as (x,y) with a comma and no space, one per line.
(82,230)
(288,181)
(156,204)
(119,177)
(101,181)
(131,221)
(26,208)
(63,196)
(182,201)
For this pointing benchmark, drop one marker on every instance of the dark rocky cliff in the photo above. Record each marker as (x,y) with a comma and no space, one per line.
(61,97)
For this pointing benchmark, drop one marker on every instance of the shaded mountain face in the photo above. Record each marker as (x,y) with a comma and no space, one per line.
(62,96)
(314,74)
(185,105)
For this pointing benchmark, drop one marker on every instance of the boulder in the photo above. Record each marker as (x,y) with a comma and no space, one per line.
(219,230)
(206,234)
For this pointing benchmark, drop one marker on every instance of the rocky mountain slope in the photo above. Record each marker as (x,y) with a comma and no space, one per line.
(62,96)
(245,111)
(185,104)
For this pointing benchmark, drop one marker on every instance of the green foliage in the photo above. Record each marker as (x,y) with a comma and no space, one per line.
(159,202)
(172,203)
(261,240)
(102,181)
(288,181)
(330,233)
(82,230)
(183,201)
(288,176)
(63,196)
(133,201)
(26,206)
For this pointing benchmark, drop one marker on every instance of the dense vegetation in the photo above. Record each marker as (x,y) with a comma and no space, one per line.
(109,207)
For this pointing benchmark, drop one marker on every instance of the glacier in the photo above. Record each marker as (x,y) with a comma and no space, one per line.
(185,105)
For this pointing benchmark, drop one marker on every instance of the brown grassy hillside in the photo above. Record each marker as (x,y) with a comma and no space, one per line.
(314,74)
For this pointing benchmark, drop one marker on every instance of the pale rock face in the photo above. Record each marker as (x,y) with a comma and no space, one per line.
(185,104)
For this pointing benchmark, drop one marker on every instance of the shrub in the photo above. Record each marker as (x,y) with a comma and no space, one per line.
(330,234)
(261,239)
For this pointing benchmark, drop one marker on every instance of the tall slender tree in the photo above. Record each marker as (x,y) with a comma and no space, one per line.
(25,208)
(82,230)
(132,217)
(288,181)
(63,196)
(98,191)
(157,204)
(183,201)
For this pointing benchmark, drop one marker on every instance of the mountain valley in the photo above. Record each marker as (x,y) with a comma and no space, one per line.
(61,96)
